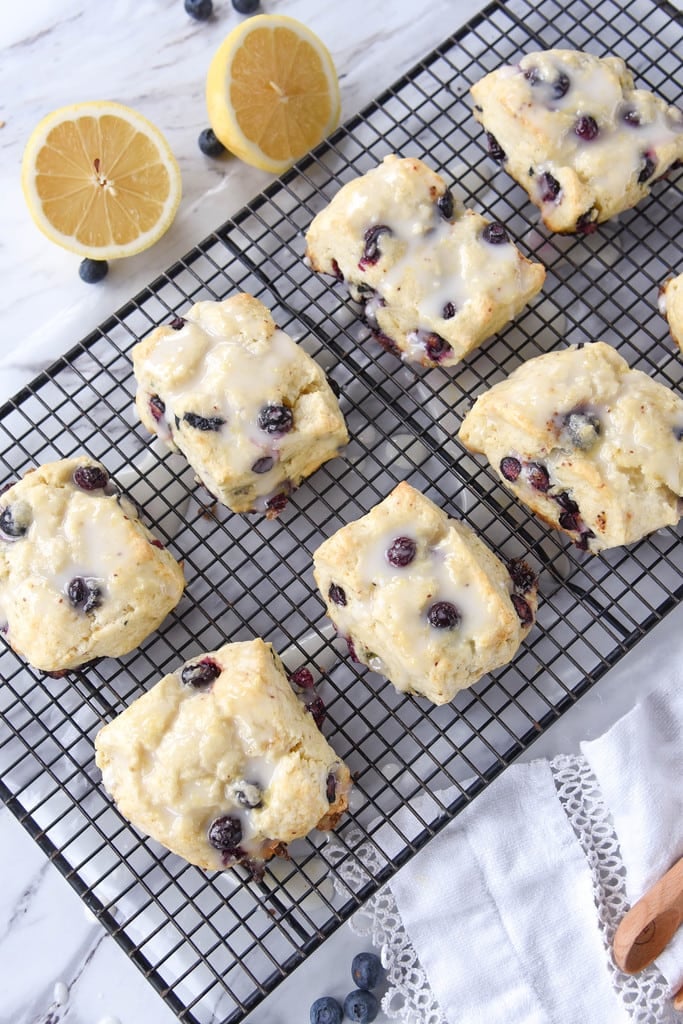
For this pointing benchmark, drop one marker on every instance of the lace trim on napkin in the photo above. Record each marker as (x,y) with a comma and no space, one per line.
(409,998)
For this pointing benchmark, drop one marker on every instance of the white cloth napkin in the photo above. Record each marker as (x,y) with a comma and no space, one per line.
(500,910)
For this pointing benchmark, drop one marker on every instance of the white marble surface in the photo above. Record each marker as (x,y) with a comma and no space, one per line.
(56,962)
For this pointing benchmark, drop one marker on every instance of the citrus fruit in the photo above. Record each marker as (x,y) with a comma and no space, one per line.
(100,180)
(272,91)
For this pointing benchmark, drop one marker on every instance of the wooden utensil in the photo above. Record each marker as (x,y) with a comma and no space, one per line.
(650,924)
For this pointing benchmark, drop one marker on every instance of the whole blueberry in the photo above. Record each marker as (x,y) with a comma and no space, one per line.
(91,478)
(371,249)
(13,525)
(331,788)
(326,1010)
(315,705)
(495,234)
(275,419)
(209,144)
(445,204)
(448,311)
(510,467)
(436,347)
(157,407)
(177,323)
(443,615)
(361,1006)
(337,594)
(365,970)
(200,10)
(246,6)
(537,475)
(263,465)
(495,149)
(225,834)
(550,187)
(582,429)
(648,169)
(561,85)
(249,795)
(401,552)
(200,674)
(586,128)
(84,594)
(92,271)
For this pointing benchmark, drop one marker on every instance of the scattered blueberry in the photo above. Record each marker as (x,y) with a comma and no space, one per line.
(523,577)
(445,204)
(371,251)
(331,788)
(200,10)
(315,705)
(337,594)
(649,168)
(443,615)
(560,85)
(200,674)
(249,795)
(84,594)
(197,422)
(448,311)
(12,525)
(550,187)
(361,1007)
(210,144)
(436,347)
(582,429)
(526,616)
(496,151)
(537,475)
(91,478)
(365,970)
(92,271)
(495,234)
(302,677)
(326,1010)
(586,128)
(177,323)
(510,468)
(263,465)
(401,552)
(225,834)
(275,419)
(157,407)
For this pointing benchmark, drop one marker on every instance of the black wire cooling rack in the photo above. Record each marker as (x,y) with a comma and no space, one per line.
(215,945)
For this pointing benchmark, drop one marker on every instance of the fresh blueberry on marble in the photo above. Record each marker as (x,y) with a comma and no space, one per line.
(443,615)
(326,1010)
(205,423)
(93,271)
(200,10)
(91,478)
(225,834)
(210,144)
(337,594)
(401,552)
(200,674)
(361,1007)
(275,420)
(246,6)
(366,969)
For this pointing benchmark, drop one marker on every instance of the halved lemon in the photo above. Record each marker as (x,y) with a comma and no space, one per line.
(272,92)
(100,180)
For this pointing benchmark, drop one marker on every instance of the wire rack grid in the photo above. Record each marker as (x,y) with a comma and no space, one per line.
(214,946)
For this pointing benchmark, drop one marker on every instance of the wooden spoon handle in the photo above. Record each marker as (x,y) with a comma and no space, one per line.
(651,923)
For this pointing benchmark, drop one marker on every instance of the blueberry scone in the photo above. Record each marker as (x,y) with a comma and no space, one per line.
(80,576)
(249,409)
(671,306)
(436,280)
(220,763)
(591,446)
(576,134)
(420,599)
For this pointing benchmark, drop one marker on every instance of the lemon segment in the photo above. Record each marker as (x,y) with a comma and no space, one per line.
(272,92)
(100,180)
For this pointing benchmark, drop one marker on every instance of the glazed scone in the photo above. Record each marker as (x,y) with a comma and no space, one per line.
(220,763)
(671,306)
(591,446)
(249,409)
(436,280)
(576,134)
(420,599)
(80,576)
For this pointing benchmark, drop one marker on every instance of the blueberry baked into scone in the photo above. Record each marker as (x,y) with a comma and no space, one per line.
(576,134)
(81,577)
(220,762)
(249,409)
(593,447)
(435,279)
(421,599)
(671,306)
